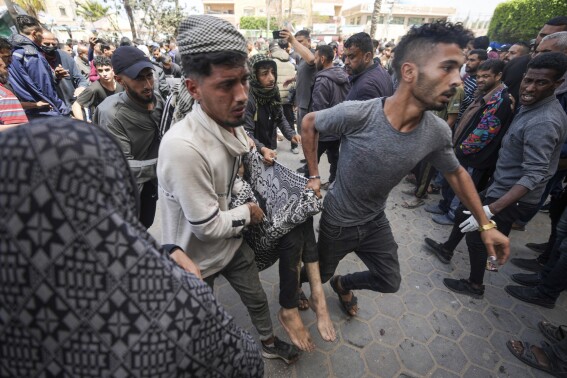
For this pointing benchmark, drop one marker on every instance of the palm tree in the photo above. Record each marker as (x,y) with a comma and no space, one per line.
(375,16)
(32,7)
(92,10)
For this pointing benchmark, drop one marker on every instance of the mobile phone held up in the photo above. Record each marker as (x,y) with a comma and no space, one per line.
(276,34)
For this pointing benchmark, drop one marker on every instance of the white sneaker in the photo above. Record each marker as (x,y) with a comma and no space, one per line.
(295,150)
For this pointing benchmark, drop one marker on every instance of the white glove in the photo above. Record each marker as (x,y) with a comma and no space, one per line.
(471,224)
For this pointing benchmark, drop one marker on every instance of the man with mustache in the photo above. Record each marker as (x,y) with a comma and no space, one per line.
(381,141)
(133,118)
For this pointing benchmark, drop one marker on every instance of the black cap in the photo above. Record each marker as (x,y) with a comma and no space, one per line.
(129,61)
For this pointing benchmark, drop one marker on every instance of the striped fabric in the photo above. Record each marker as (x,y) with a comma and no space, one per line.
(11,111)
(470,87)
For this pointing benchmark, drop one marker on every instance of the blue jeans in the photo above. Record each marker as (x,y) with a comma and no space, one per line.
(372,242)
(554,273)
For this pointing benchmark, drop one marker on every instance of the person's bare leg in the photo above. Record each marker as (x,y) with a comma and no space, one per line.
(293,325)
(318,303)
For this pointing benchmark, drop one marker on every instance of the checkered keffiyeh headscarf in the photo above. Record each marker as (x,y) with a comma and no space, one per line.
(207,34)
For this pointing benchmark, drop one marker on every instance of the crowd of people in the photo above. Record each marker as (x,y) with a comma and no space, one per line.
(90,142)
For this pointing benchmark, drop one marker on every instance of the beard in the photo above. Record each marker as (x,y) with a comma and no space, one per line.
(236,123)
(3,78)
(139,98)
(424,90)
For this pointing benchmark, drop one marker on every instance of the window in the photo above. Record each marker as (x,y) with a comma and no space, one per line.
(249,11)
(416,21)
(397,21)
(63,11)
(358,20)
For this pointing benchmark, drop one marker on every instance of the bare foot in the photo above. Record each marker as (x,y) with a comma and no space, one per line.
(324,323)
(293,325)
(539,354)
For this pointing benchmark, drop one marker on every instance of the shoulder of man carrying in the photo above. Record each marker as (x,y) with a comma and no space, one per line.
(207,34)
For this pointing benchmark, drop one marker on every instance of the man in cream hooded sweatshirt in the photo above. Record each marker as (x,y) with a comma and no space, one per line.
(199,158)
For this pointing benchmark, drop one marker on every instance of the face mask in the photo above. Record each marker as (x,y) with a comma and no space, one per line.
(49,50)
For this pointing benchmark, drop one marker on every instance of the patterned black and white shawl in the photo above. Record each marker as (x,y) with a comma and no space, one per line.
(281,193)
(85,291)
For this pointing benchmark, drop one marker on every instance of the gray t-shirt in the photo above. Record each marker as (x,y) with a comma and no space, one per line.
(304,81)
(375,157)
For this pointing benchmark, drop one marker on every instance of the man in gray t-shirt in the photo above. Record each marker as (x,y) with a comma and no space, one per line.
(381,141)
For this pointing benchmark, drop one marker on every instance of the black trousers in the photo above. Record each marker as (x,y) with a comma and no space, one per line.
(148,200)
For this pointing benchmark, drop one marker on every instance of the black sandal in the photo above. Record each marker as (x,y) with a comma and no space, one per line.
(528,357)
(347,306)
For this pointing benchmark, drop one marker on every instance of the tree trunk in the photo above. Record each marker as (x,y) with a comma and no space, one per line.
(130,14)
(375,16)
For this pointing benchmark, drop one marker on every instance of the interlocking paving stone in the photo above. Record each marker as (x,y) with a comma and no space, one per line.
(389,318)
(347,362)
(447,354)
(356,333)
(381,360)
(313,365)
(415,357)
(386,330)
(418,303)
(474,322)
(416,327)
(445,325)
(502,319)
(479,351)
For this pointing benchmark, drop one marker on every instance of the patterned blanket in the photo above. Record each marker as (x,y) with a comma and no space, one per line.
(281,193)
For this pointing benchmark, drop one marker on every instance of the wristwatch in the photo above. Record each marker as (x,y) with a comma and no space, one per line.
(488,226)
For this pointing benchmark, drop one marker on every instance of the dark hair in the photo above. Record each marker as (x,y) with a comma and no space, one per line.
(481,42)
(326,51)
(557,21)
(419,40)
(201,64)
(100,61)
(524,44)
(5,44)
(361,40)
(104,46)
(125,41)
(27,24)
(265,64)
(493,65)
(375,43)
(482,54)
(334,45)
(283,43)
(303,33)
(164,58)
(550,60)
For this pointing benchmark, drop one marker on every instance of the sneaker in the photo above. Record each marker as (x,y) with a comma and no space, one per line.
(442,219)
(295,150)
(442,253)
(282,350)
(539,248)
(463,287)
(434,209)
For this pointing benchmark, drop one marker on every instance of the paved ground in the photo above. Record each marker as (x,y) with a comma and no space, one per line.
(424,329)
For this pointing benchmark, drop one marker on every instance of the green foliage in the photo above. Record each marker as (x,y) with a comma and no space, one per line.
(258,23)
(160,17)
(92,10)
(521,20)
(32,7)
